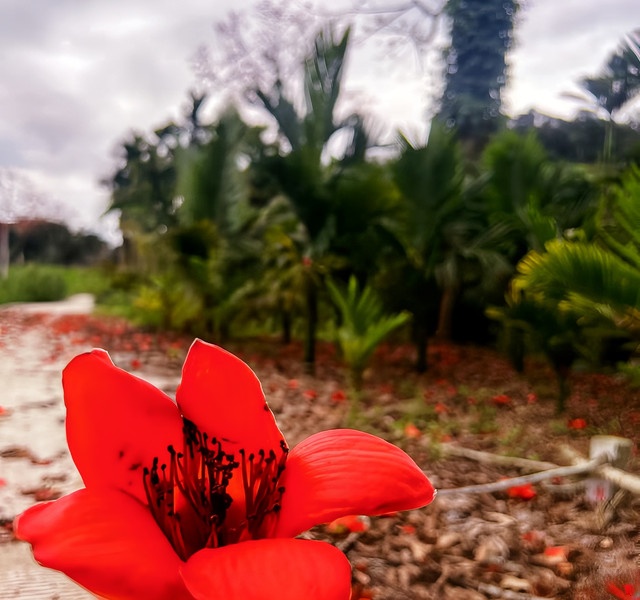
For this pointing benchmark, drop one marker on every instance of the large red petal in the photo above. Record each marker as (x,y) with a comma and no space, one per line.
(116,423)
(107,542)
(345,472)
(276,569)
(224,398)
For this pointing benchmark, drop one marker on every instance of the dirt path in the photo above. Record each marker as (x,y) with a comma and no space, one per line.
(34,461)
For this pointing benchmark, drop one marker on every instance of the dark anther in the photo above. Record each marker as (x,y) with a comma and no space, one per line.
(196,480)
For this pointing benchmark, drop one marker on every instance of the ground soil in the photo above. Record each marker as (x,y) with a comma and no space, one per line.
(547,540)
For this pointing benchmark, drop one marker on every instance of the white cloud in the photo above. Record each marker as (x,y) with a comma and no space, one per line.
(78,75)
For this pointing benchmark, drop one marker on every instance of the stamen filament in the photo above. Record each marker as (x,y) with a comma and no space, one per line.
(194,482)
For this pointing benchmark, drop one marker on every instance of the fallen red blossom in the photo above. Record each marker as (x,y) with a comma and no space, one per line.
(628,591)
(523,492)
(350,524)
(338,396)
(501,400)
(411,431)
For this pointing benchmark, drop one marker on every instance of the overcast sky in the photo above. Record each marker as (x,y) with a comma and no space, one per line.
(77,75)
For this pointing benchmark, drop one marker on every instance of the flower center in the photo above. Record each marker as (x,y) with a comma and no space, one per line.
(196,501)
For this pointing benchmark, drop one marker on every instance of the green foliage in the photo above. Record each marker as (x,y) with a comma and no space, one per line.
(363,325)
(53,243)
(616,86)
(89,280)
(585,277)
(619,81)
(33,283)
(142,189)
(535,199)
(323,71)
(619,217)
(337,203)
(209,181)
(446,238)
(534,323)
(576,297)
(168,303)
(430,179)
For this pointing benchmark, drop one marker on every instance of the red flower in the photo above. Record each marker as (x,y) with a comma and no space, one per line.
(558,553)
(338,396)
(441,408)
(627,592)
(523,492)
(201,497)
(411,431)
(576,424)
(349,523)
(501,400)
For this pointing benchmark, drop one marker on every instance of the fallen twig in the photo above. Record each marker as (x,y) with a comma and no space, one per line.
(496,459)
(505,484)
(616,476)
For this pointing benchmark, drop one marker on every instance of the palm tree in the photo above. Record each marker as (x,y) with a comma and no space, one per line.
(301,169)
(210,184)
(143,191)
(443,236)
(613,89)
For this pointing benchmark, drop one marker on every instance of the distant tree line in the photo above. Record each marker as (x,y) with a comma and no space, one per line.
(40,241)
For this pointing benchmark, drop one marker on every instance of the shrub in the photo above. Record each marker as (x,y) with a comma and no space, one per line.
(33,283)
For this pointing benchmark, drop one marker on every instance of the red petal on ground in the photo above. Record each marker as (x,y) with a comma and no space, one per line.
(224,398)
(523,492)
(501,400)
(338,396)
(275,569)
(350,523)
(116,423)
(345,472)
(411,431)
(107,542)
(559,552)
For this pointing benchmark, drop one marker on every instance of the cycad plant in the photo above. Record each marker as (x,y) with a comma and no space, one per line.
(534,322)
(575,296)
(364,324)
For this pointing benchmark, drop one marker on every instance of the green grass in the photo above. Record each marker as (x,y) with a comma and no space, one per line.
(45,283)
(90,280)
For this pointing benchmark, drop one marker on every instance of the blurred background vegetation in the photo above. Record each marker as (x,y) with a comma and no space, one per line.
(522,232)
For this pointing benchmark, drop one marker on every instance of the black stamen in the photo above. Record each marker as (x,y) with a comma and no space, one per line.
(195,482)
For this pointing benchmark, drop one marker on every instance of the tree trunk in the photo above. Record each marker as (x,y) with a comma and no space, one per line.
(312,325)
(564,390)
(420,339)
(445,313)
(285,321)
(4,250)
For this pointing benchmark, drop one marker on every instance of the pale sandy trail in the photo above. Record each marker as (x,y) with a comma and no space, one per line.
(32,432)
